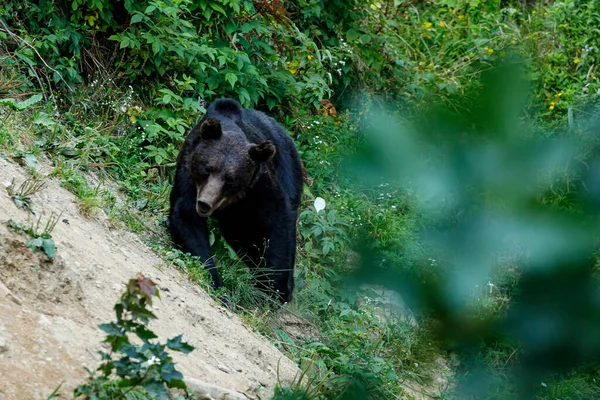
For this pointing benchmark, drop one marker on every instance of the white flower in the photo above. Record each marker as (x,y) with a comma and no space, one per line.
(153,360)
(319,204)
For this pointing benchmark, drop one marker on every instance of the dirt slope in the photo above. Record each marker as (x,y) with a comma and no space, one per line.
(49,311)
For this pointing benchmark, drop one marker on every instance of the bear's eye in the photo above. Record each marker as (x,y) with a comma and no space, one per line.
(229,179)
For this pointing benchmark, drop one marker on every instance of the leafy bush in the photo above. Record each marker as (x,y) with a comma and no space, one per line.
(147,369)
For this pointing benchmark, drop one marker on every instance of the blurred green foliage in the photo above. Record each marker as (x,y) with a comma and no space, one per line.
(489,193)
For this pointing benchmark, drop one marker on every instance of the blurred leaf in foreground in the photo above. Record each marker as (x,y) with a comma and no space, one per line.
(495,194)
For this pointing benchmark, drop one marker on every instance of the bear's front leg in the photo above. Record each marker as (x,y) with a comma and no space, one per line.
(190,232)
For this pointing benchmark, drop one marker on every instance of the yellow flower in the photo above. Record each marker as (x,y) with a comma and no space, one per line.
(91,19)
(577,60)
(310,58)
(441,23)
(292,66)
(489,50)
(533,12)
(559,94)
(551,107)
(373,6)
(461,16)
(427,24)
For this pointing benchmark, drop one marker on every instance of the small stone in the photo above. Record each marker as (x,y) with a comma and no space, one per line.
(4,291)
(238,370)
(43,320)
(224,369)
(15,299)
(3,345)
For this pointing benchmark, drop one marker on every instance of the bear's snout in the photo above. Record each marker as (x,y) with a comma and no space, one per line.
(209,197)
(203,207)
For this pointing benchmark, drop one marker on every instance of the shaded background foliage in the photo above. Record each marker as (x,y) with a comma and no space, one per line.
(474,194)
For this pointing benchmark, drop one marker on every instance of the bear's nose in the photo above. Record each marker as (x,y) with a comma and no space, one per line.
(204,207)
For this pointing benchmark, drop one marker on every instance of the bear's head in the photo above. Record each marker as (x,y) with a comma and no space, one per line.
(223,165)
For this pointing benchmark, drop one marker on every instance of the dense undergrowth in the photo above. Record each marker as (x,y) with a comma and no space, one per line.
(122,83)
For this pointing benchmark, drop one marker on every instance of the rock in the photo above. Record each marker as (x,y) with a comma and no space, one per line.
(15,299)
(390,305)
(4,292)
(224,369)
(206,391)
(44,321)
(3,345)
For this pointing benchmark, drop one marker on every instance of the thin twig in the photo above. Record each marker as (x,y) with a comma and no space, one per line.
(15,36)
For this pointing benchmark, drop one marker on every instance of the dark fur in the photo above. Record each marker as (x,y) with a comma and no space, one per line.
(263,192)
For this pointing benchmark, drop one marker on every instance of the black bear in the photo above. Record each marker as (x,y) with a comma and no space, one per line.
(242,168)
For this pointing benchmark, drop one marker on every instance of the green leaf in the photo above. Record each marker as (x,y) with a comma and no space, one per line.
(144,333)
(156,46)
(177,383)
(218,8)
(352,35)
(9,102)
(111,329)
(30,159)
(231,78)
(271,103)
(230,27)
(34,244)
(21,105)
(44,119)
(285,337)
(169,373)
(149,9)
(69,152)
(49,247)
(178,344)
(136,18)
(157,390)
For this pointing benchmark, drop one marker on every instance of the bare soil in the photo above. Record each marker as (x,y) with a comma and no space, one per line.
(49,311)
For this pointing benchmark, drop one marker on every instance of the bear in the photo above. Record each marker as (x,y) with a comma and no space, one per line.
(240,167)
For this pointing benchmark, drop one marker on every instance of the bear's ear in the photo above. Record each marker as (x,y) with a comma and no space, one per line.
(210,129)
(261,152)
